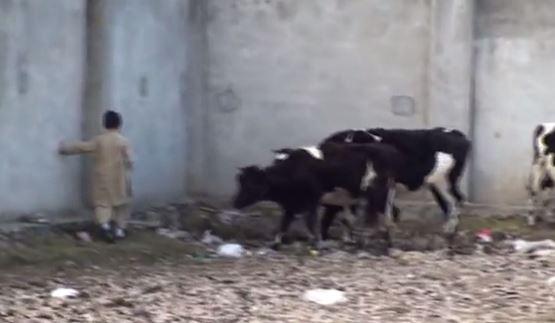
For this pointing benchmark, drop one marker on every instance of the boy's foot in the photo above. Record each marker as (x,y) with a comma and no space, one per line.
(119,233)
(106,233)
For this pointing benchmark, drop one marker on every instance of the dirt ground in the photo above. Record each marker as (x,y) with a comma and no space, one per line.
(150,278)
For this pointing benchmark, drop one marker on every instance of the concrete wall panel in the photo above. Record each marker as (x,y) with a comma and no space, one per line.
(514,75)
(41,73)
(287,73)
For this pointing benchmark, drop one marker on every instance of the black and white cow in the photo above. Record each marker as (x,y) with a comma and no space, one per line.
(542,176)
(334,174)
(434,158)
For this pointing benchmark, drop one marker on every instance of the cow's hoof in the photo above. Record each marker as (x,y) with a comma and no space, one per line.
(317,245)
(531,219)
(451,226)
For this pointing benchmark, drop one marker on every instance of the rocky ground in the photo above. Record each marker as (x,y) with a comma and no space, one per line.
(153,278)
(410,287)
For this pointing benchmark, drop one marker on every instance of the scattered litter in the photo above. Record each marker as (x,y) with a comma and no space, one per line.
(83,236)
(524,246)
(210,239)
(265,252)
(484,235)
(314,252)
(173,234)
(64,293)
(231,250)
(228,216)
(325,296)
(543,252)
(34,218)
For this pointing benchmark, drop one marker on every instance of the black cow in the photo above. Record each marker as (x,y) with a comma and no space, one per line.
(434,158)
(301,179)
(542,175)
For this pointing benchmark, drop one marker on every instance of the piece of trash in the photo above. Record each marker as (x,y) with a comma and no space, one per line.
(84,236)
(551,281)
(64,293)
(231,250)
(484,235)
(325,296)
(173,234)
(265,252)
(543,252)
(228,216)
(210,239)
(34,218)
(524,246)
(314,252)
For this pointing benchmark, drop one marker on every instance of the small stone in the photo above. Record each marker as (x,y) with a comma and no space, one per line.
(84,236)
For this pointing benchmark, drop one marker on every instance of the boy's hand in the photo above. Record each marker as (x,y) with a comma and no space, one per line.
(62,148)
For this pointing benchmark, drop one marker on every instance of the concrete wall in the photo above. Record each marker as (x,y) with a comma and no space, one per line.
(515,73)
(41,74)
(142,48)
(63,62)
(206,86)
(287,72)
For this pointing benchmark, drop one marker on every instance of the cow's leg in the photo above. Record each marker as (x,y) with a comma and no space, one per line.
(448,205)
(330,211)
(534,191)
(286,220)
(389,213)
(347,220)
(311,220)
(454,188)
(440,200)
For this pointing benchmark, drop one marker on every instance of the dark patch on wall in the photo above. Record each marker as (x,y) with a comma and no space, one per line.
(403,105)
(3,64)
(514,18)
(22,74)
(286,10)
(6,5)
(143,86)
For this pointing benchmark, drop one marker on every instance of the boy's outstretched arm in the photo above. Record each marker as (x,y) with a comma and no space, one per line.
(79,147)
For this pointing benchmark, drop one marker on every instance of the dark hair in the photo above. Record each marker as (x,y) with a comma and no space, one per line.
(112,120)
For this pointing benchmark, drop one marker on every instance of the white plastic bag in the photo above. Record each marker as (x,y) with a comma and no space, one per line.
(231,250)
(64,293)
(325,296)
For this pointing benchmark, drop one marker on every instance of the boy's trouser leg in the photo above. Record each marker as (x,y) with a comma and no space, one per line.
(103,215)
(121,216)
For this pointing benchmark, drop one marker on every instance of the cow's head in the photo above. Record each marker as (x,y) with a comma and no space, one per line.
(253,186)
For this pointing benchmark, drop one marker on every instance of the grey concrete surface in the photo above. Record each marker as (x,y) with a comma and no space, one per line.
(41,73)
(143,48)
(515,47)
(206,86)
(287,73)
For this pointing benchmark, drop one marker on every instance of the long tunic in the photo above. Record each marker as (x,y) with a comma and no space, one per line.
(110,177)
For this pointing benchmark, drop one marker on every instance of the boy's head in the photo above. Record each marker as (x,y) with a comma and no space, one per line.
(112,120)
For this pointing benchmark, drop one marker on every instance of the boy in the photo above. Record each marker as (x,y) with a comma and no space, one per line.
(111,187)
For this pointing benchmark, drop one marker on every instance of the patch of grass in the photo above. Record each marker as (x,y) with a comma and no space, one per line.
(516,226)
(56,250)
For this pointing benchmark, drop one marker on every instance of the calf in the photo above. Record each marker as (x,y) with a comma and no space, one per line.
(434,158)
(302,178)
(542,175)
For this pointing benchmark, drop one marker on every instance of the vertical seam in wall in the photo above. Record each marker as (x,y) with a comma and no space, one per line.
(429,64)
(473,104)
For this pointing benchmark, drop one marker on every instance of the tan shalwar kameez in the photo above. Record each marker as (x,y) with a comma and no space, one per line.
(110,181)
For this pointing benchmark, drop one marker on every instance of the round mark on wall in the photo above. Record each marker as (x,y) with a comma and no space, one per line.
(227,101)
